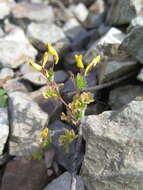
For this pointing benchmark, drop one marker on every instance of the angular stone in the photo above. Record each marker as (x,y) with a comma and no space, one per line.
(140,76)
(113,158)
(6,72)
(133,43)
(4,10)
(27,121)
(60,76)
(121,96)
(32,11)
(72,28)
(97,7)
(35,77)
(24,174)
(15,49)
(123,11)
(4,128)
(49,34)
(107,45)
(64,182)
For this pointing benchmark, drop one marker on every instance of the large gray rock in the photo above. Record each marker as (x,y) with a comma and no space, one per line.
(45,33)
(107,45)
(123,11)
(27,121)
(15,49)
(4,10)
(4,128)
(64,182)
(133,43)
(32,11)
(113,158)
(121,96)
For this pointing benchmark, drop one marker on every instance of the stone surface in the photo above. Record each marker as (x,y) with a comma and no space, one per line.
(49,34)
(4,128)
(60,76)
(15,49)
(24,174)
(27,121)
(140,76)
(64,182)
(32,11)
(121,96)
(6,72)
(106,45)
(113,158)
(4,10)
(80,11)
(35,77)
(26,68)
(97,7)
(133,43)
(72,28)
(123,11)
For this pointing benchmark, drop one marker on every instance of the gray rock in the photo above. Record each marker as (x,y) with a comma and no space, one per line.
(35,77)
(4,128)
(140,76)
(133,43)
(1,32)
(72,28)
(25,68)
(79,11)
(121,96)
(98,7)
(64,182)
(27,121)
(49,34)
(60,76)
(113,158)
(6,72)
(32,11)
(4,10)
(137,21)
(123,11)
(15,49)
(115,67)
(107,45)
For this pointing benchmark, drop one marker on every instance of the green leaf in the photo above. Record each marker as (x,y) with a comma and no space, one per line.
(38,155)
(80,82)
(50,75)
(2,92)
(3,101)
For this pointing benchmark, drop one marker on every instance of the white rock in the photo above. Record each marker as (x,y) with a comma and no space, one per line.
(4,10)
(4,128)
(6,72)
(140,75)
(27,121)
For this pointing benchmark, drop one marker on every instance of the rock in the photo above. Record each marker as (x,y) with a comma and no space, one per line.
(49,34)
(98,7)
(116,66)
(1,33)
(133,43)
(140,76)
(60,76)
(87,3)
(52,107)
(26,68)
(32,12)
(123,11)
(64,182)
(65,159)
(24,174)
(13,85)
(15,49)
(4,10)
(72,28)
(4,128)
(80,11)
(113,158)
(3,159)
(121,96)
(107,45)
(6,72)
(27,121)
(35,77)
(137,21)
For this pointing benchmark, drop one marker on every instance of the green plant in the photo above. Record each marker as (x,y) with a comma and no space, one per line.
(3,98)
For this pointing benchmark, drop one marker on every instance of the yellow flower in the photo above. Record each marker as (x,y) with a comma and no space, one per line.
(35,66)
(53,52)
(44,134)
(79,62)
(45,59)
(92,64)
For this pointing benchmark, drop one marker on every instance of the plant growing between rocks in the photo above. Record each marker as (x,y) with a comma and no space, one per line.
(75,110)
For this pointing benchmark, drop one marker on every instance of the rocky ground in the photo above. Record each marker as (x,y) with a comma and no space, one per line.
(112,155)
